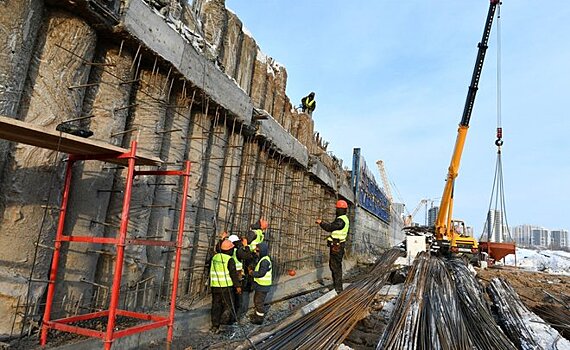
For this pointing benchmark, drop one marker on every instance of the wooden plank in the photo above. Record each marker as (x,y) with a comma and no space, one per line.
(21,132)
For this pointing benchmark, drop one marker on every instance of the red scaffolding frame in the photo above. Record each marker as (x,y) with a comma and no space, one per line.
(154,321)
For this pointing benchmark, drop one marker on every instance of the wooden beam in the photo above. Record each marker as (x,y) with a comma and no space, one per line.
(21,132)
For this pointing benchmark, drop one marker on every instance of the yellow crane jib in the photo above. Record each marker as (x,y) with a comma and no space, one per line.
(446,236)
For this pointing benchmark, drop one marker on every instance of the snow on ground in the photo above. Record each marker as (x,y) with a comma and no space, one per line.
(551,261)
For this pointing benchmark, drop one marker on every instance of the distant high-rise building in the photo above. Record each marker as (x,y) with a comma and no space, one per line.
(558,239)
(495,229)
(522,235)
(432,215)
(540,237)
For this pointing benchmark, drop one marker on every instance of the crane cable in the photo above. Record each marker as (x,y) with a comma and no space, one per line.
(497,191)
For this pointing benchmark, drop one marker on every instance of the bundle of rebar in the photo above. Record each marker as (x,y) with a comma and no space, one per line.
(483,329)
(557,316)
(328,325)
(524,328)
(427,314)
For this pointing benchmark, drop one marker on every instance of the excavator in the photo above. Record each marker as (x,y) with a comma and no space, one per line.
(449,236)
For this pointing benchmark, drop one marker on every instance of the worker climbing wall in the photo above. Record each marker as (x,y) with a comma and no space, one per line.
(49,98)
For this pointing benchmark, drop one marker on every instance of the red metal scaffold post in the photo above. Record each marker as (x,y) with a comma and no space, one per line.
(154,321)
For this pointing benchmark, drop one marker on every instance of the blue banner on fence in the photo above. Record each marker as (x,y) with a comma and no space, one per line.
(367,192)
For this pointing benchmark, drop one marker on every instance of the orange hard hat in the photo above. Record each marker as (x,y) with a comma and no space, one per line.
(263,224)
(226,244)
(291,272)
(341,204)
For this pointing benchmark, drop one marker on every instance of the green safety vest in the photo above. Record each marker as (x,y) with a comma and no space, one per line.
(342,233)
(309,102)
(239,265)
(265,280)
(260,237)
(219,272)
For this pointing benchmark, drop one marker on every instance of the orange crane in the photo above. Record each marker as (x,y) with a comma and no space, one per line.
(446,236)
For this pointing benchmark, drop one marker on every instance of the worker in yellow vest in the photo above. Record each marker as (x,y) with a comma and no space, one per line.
(308,103)
(262,280)
(255,236)
(223,279)
(336,241)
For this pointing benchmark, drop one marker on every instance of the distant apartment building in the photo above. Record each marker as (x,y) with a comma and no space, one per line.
(432,215)
(522,235)
(540,237)
(558,239)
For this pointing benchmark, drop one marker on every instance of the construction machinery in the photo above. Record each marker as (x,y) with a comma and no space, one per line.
(446,236)
(409,219)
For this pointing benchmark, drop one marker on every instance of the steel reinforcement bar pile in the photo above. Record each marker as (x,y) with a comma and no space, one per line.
(327,326)
(558,317)
(442,306)
(427,314)
(483,329)
(524,328)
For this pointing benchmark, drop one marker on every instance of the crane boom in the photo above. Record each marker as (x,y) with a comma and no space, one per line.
(384,177)
(443,226)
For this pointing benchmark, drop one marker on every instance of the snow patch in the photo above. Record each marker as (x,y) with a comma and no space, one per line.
(550,261)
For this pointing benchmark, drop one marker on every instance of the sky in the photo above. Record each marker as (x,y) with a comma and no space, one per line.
(391,78)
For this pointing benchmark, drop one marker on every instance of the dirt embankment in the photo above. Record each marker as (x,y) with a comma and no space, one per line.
(533,287)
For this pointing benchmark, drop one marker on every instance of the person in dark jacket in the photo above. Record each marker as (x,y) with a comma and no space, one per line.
(308,103)
(336,241)
(263,278)
(223,279)
(255,236)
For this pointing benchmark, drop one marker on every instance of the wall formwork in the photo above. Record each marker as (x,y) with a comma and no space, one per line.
(64,64)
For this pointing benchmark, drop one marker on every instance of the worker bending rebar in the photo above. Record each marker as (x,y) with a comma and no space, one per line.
(336,241)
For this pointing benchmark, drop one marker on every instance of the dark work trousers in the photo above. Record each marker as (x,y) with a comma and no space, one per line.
(259,302)
(222,301)
(335,264)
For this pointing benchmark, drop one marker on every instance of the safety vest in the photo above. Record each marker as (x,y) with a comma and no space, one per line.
(239,265)
(219,272)
(342,233)
(309,102)
(260,237)
(267,278)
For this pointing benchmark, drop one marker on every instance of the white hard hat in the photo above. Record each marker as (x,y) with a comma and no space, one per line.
(233,238)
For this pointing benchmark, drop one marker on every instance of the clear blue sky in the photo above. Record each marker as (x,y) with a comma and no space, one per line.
(391,77)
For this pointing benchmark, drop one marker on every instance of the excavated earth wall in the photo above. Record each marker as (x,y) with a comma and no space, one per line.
(185,81)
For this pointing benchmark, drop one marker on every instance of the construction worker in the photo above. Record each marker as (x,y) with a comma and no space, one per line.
(238,257)
(308,103)
(255,236)
(223,279)
(262,279)
(336,241)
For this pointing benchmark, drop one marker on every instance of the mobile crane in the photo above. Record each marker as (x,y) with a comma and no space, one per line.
(447,238)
